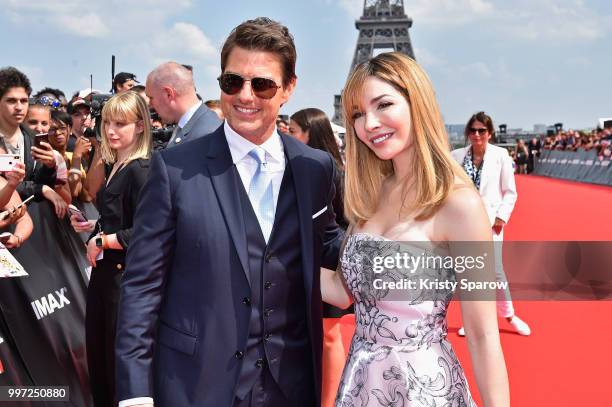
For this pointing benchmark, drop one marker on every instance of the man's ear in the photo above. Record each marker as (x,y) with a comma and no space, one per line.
(288,90)
(169,92)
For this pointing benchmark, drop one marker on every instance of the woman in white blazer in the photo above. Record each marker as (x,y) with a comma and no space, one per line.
(491,170)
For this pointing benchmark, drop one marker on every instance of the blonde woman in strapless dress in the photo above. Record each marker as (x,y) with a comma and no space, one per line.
(405,195)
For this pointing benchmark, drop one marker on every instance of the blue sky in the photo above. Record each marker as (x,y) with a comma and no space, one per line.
(523,61)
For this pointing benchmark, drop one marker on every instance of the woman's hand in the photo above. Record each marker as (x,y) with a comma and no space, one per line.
(16,176)
(12,215)
(93,251)
(58,202)
(44,154)
(81,147)
(80,227)
(13,242)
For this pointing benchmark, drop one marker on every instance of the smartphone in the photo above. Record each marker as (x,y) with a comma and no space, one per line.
(40,138)
(80,216)
(4,237)
(5,214)
(8,161)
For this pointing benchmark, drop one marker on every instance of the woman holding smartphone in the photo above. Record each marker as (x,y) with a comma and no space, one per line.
(125,153)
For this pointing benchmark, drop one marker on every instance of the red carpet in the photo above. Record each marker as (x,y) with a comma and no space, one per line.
(567,359)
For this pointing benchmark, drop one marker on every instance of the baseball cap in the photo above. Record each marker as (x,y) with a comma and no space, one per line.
(76,103)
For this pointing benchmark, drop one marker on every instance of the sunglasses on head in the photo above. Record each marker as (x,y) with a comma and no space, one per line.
(45,101)
(481,132)
(232,83)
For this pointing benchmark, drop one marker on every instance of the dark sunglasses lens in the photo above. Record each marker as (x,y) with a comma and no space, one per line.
(264,88)
(230,83)
(479,131)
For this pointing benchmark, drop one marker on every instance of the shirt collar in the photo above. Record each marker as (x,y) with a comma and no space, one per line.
(189,114)
(240,146)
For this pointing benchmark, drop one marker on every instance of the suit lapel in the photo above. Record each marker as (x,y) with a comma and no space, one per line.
(223,176)
(184,132)
(299,168)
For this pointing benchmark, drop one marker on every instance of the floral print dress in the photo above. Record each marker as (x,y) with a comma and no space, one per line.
(399,355)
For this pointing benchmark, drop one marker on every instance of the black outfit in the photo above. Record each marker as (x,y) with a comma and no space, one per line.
(117,204)
(329,311)
(37,174)
(521,157)
(534,151)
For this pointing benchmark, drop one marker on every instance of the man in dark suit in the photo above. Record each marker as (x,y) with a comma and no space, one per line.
(221,301)
(172,94)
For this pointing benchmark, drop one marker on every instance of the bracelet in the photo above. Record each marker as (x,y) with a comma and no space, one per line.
(19,239)
(75,171)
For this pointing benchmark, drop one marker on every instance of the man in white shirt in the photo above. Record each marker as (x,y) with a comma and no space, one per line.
(221,299)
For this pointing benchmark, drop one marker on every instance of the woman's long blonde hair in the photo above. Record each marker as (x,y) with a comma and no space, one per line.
(129,107)
(434,170)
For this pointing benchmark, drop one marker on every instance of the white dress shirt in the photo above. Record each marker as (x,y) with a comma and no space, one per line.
(247,165)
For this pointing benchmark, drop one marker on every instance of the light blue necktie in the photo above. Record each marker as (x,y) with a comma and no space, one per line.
(260,193)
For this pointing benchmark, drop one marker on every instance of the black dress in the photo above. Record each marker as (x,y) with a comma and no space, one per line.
(116,203)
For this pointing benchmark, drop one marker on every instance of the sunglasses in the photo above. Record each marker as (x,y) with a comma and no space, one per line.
(45,101)
(481,132)
(232,83)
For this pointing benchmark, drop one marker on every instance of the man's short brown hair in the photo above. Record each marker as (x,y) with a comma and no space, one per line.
(263,34)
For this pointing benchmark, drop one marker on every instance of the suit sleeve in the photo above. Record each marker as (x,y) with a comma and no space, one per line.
(149,257)
(508,188)
(333,235)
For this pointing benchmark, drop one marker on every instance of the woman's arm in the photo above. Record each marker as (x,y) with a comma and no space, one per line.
(95,176)
(333,290)
(463,219)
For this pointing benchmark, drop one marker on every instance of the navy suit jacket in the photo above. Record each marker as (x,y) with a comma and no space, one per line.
(204,121)
(181,316)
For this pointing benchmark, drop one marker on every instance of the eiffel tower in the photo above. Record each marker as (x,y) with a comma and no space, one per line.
(383,25)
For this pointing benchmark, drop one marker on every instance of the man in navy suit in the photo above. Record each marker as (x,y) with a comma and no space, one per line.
(221,302)
(172,94)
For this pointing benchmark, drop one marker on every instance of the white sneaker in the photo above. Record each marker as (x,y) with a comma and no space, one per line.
(520,326)
(461,332)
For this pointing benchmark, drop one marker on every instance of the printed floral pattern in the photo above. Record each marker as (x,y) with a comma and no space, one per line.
(399,356)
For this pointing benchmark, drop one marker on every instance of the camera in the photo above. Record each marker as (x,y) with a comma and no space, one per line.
(97,104)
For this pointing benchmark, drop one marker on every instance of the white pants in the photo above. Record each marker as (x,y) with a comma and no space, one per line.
(505,309)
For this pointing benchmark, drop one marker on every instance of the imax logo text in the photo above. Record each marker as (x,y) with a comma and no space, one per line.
(47,304)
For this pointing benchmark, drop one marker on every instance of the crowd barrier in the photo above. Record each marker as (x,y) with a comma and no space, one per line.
(42,315)
(581,165)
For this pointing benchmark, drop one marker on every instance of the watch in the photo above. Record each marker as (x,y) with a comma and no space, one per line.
(99,241)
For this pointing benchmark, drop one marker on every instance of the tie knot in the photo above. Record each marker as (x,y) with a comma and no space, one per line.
(259,154)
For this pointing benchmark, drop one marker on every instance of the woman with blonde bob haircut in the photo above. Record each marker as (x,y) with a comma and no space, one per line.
(125,150)
(405,195)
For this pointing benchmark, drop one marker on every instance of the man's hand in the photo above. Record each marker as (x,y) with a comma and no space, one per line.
(44,154)
(498,226)
(16,176)
(58,202)
(81,147)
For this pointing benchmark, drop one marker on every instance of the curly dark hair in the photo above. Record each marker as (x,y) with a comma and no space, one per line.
(11,77)
(55,92)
